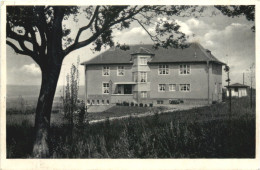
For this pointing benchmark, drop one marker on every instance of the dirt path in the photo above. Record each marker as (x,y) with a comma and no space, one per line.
(150,113)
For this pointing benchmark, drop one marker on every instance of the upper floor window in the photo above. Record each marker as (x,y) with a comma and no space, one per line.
(162,87)
(163,69)
(120,70)
(172,87)
(184,69)
(106,71)
(143,76)
(185,87)
(105,88)
(143,61)
(135,77)
(143,94)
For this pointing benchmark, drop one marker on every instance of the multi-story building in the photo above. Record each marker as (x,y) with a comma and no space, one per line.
(159,76)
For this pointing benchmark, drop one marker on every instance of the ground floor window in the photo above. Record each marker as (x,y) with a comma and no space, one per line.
(185,87)
(143,94)
(105,88)
(159,101)
(107,101)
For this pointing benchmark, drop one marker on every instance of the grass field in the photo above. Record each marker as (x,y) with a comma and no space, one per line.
(206,132)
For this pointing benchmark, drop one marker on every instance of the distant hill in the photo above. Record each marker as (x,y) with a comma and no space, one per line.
(34,90)
(30,94)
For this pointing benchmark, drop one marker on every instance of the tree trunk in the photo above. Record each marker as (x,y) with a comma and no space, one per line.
(50,77)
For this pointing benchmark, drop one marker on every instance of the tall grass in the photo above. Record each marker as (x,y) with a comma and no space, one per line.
(207,132)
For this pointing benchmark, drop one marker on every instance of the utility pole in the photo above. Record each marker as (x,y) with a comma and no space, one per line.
(251,69)
(243,78)
(251,96)
(227,69)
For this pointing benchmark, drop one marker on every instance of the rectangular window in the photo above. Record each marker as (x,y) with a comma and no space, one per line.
(119,89)
(184,69)
(120,70)
(107,101)
(163,69)
(105,88)
(88,102)
(135,76)
(93,102)
(185,87)
(172,87)
(143,94)
(162,87)
(220,88)
(106,71)
(143,76)
(103,102)
(135,95)
(97,102)
(143,61)
(159,101)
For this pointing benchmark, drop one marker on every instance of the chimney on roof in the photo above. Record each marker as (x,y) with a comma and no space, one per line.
(112,48)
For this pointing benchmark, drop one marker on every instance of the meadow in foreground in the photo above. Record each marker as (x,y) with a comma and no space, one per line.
(207,132)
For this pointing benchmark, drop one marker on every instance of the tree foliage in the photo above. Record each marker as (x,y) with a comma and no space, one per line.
(235,11)
(70,98)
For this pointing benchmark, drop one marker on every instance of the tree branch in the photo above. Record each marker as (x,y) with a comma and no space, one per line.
(106,25)
(42,25)
(16,49)
(25,52)
(13,35)
(151,36)
(87,26)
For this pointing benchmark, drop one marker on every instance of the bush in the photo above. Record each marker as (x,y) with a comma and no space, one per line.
(125,103)
(174,101)
(141,104)
(145,105)
(214,102)
(136,104)
(151,105)
(132,104)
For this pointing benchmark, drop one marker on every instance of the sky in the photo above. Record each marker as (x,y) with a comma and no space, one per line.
(229,39)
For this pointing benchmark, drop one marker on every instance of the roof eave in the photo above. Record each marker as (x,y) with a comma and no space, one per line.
(104,63)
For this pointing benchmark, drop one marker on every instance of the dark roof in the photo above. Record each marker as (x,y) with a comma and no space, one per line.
(237,85)
(194,53)
(143,51)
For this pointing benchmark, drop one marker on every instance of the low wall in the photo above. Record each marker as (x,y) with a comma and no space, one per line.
(120,98)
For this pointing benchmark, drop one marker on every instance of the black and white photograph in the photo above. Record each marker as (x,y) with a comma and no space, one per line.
(129,82)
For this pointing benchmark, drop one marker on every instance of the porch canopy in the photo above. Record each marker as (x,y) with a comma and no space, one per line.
(125,83)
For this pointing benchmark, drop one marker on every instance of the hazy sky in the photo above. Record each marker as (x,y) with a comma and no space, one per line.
(229,39)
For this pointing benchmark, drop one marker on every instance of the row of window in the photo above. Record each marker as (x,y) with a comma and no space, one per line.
(98,102)
(172,87)
(163,70)
(161,88)
(120,71)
